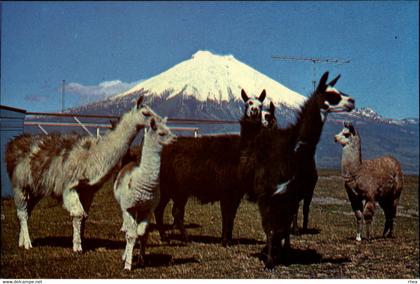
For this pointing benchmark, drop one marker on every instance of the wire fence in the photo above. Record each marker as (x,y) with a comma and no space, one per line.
(34,119)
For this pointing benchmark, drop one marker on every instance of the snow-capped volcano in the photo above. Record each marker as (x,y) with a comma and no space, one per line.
(208,87)
(210,77)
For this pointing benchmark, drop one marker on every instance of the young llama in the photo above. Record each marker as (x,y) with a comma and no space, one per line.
(69,167)
(137,189)
(368,181)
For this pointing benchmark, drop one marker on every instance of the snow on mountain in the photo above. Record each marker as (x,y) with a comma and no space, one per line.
(367,113)
(210,77)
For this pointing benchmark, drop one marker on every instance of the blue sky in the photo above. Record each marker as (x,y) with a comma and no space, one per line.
(93,44)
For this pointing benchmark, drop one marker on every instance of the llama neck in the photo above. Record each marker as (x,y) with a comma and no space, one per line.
(351,160)
(249,130)
(146,176)
(113,146)
(311,123)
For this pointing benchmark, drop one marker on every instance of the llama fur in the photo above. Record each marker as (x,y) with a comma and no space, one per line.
(70,167)
(369,181)
(136,189)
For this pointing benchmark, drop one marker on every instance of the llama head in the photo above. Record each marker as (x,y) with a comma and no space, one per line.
(347,136)
(331,99)
(253,106)
(143,113)
(159,132)
(268,118)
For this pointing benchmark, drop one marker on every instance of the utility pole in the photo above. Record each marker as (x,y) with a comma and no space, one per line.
(62,96)
(314,61)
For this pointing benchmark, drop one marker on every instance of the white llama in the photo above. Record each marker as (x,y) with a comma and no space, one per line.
(137,189)
(69,167)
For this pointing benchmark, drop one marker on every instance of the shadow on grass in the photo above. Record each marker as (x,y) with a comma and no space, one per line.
(214,240)
(88,244)
(305,257)
(312,231)
(157,260)
(166,227)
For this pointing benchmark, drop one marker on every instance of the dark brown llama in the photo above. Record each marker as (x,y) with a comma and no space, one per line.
(281,161)
(210,169)
(326,99)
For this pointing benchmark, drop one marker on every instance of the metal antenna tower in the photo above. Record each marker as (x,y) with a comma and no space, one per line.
(62,96)
(314,61)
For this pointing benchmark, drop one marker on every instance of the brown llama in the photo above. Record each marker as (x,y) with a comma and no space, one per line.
(212,168)
(368,181)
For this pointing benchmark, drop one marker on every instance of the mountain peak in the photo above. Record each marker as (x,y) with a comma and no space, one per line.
(208,55)
(210,77)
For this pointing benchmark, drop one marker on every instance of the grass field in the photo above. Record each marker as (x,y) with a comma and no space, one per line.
(329,251)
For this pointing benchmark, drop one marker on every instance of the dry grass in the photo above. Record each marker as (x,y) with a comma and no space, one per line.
(330,251)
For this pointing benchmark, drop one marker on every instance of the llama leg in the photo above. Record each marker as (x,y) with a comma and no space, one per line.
(359,221)
(306,204)
(143,244)
(295,228)
(357,206)
(229,206)
(390,211)
(130,227)
(368,213)
(22,210)
(307,200)
(159,213)
(269,263)
(86,198)
(127,224)
(130,238)
(74,206)
(178,211)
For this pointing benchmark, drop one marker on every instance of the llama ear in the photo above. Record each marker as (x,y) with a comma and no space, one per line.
(113,123)
(352,130)
(153,124)
(262,96)
(165,120)
(244,95)
(332,83)
(139,101)
(322,85)
(346,124)
(272,108)
(350,127)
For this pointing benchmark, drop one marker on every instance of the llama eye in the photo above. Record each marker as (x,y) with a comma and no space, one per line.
(251,103)
(145,113)
(347,135)
(162,134)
